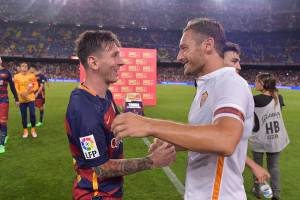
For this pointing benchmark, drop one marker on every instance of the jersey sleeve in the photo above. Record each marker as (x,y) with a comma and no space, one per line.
(231,98)
(87,135)
(12,87)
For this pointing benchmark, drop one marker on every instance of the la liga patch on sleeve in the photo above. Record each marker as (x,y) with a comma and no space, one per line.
(89,147)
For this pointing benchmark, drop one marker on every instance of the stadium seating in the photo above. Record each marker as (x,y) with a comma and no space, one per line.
(57,41)
(268,33)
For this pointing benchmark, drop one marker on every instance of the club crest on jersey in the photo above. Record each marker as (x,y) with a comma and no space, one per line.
(115,143)
(203,98)
(89,147)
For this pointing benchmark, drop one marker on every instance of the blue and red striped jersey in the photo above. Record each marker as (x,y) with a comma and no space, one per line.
(41,79)
(5,79)
(88,122)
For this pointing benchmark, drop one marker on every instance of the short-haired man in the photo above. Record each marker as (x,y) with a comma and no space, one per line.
(232,53)
(97,154)
(220,118)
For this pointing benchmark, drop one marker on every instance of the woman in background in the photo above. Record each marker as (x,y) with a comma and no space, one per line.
(269,133)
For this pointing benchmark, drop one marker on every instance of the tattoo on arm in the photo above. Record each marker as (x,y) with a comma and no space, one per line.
(121,167)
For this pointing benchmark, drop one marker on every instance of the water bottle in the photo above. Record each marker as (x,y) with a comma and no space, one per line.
(266,190)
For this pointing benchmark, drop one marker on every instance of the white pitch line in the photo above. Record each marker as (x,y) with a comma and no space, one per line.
(172,177)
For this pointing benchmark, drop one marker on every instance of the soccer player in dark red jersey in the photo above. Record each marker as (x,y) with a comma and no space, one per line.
(5,79)
(40,93)
(98,155)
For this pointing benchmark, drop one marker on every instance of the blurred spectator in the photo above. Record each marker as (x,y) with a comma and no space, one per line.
(57,41)
(267,31)
(50,70)
(164,74)
(284,77)
(235,15)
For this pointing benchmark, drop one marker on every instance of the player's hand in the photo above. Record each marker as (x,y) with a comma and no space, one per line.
(24,95)
(261,174)
(130,125)
(17,103)
(30,88)
(156,143)
(163,155)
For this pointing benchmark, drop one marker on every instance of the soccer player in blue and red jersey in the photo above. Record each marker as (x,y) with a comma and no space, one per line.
(5,79)
(40,93)
(98,155)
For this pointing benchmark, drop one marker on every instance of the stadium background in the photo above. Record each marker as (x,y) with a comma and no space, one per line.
(42,32)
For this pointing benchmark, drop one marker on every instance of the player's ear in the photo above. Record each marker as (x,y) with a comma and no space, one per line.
(209,44)
(92,62)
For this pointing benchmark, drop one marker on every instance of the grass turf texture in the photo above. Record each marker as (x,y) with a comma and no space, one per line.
(42,168)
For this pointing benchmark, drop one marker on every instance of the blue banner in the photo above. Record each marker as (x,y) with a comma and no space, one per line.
(62,80)
(172,83)
(176,83)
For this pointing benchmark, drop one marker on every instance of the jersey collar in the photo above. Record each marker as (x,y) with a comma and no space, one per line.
(83,87)
(215,73)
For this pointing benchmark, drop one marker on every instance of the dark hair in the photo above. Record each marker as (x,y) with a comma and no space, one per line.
(229,46)
(33,66)
(209,28)
(90,42)
(268,82)
(24,64)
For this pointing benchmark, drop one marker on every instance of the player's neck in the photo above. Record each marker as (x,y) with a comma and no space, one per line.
(212,65)
(24,73)
(1,67)
(267,93)
(96,86)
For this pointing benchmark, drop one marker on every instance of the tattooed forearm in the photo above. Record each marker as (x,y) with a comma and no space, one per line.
(121,167)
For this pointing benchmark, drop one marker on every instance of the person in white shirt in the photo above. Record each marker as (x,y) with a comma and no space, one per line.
(220,118)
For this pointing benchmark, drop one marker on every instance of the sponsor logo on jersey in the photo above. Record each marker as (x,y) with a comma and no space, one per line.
(115,143)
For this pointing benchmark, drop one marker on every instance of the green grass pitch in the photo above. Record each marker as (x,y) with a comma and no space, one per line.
(42,168)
